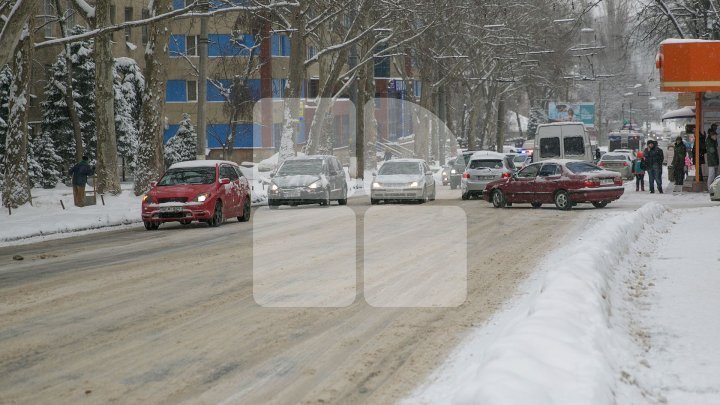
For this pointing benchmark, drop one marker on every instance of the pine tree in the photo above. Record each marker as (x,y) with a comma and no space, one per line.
(5,80)
(129,84)
(44,165)
(537,117)
(56,122)
(182,146)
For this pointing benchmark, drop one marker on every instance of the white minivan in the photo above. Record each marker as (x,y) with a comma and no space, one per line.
(562,140)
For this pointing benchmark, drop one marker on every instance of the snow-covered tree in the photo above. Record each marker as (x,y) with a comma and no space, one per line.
(44,165)
(5,80)
(129,84)
(537,117)
(56,119)
(183,145)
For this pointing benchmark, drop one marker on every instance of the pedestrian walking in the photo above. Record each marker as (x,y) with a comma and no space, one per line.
(638,170)
(653,157)
(678,162)
(80,172)
(711,156)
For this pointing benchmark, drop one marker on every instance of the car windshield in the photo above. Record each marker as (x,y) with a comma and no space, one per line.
(582,167)
(399,168)
(519,158)
(614,157)
(195,175)
(300,167)
(485,164)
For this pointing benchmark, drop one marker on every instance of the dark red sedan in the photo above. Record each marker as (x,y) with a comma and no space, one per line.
(562,182)
(198,190)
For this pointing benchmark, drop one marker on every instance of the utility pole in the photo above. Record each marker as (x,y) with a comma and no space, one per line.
(202,80)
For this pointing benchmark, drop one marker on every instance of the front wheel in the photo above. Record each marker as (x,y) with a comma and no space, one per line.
(600,204)
(498,199)
(562,200)
(343,201)
(151,226)
(325,202)
(465,196)
(374,201)
(246,211)
(217,217)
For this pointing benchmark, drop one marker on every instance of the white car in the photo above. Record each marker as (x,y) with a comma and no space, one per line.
(403,180)
(715,189)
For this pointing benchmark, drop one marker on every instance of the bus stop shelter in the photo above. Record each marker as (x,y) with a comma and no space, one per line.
(683,68)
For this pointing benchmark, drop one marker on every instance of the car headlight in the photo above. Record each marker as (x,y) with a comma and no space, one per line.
(314,185)
(414,184)
(147,198)
(453,171)
(202,197)
(376,185)
(273,187)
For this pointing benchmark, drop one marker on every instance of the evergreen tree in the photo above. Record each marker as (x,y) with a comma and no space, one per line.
(129,84)
(537,117)
(56,122)
(44,165)
(183,145)
(5,80)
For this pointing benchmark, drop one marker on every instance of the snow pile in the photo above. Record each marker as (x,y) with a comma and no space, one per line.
(47,217)
(559,346)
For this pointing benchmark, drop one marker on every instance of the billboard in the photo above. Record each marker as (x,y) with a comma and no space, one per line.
(572,112)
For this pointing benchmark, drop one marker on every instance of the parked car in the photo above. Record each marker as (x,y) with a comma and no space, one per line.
(562,182)
(459,168)
(402,180)
(484,167)
(316,179)
(629,152)
(617,162)
(447,172)
(715,189)
(198,190)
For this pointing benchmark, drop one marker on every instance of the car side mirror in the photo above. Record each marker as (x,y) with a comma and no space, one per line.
(272,174)
(224,181)
(153,183)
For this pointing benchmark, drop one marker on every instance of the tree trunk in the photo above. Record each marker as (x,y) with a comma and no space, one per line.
(17,183)
(12,30)
(108,180)
(500,130)
(150,162)
(369,126)
(291,104)
(517,117)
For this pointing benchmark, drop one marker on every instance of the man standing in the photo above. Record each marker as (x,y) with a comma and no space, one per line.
(653,162)
(678,162)
(711,156)
(80,173)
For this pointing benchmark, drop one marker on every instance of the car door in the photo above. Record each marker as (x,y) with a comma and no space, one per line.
(429,179)
(547,182)
(229,192)
(339,178)
(521,187)
(331,174)
(244,188)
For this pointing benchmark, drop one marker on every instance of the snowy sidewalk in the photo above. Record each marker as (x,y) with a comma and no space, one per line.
(678,310)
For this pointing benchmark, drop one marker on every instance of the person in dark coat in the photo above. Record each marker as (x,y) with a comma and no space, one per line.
(711,155)
(678,162)
(80,172)
(653,163)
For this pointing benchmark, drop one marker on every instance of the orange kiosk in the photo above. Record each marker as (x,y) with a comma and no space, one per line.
(684,68)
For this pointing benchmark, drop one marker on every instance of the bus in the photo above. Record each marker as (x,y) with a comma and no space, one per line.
(625,140)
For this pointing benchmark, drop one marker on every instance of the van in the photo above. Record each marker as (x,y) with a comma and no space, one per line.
(562,140)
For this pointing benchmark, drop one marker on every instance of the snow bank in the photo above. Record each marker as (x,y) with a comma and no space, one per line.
(559,346)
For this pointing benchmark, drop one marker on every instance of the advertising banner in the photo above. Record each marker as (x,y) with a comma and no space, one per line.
(572,112)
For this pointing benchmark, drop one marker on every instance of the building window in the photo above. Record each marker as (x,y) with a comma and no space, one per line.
(311,52)
(215,90)
(192,90)
(145,30)
(278,88)
(112,20)
(313,88)
(235,45)
(128,17)
(280,45)
(191,42)
(49,11)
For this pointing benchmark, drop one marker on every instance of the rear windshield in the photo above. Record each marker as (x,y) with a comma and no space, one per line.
(550,147)
(486,163)
(400,168)
(519,158)
(300,167)
(614,157)
(582,167)
(574,145)
(195,175)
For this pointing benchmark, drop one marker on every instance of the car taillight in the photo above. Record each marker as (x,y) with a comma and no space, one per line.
(506,175)
(466,175)
(625,164)
(591,183)
(601,164)
(618,181)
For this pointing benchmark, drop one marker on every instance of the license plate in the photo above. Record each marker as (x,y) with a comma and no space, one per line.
(292,193)
(171,209)
(607,181)
(486,177)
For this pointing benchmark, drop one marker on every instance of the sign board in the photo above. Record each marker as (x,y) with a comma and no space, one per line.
(680,70)
(572,112)
(644,94)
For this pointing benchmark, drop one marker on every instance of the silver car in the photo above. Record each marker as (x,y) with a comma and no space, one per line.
(617,162)
(484,167)
(403,180)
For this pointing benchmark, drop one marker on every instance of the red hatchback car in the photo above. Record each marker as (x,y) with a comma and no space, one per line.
(198,190)
(562,182)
